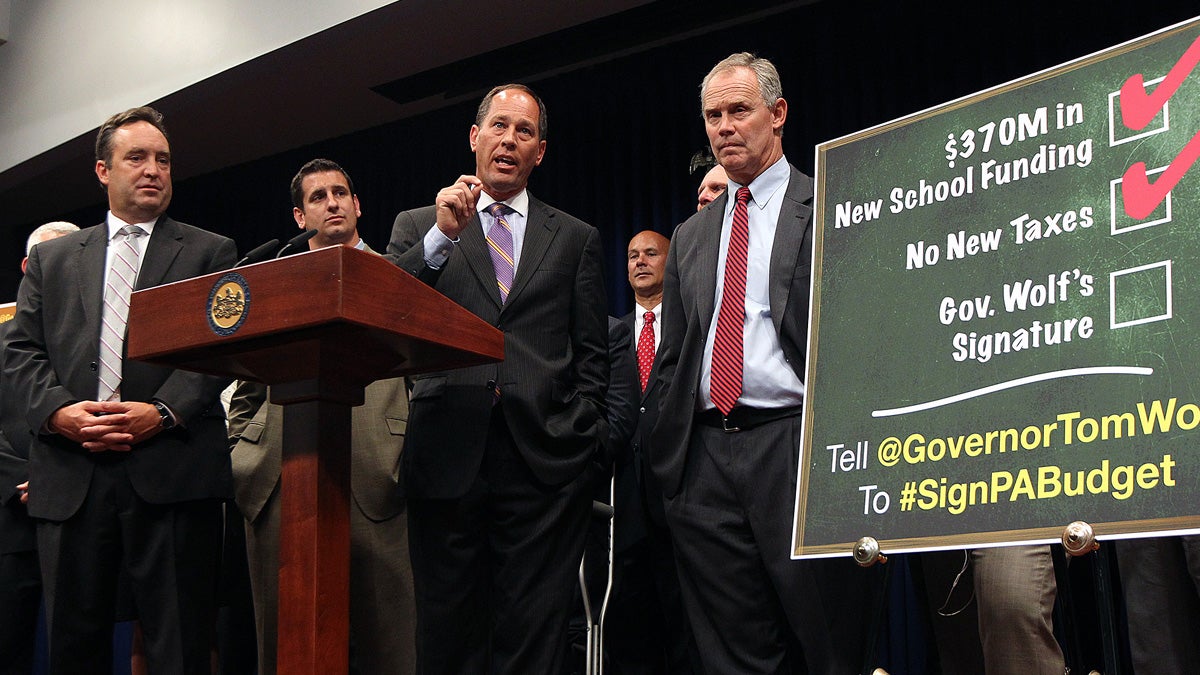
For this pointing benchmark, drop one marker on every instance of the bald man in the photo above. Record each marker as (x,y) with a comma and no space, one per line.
(645,629)
(712,186)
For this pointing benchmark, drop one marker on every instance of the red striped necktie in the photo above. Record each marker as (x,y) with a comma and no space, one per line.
(726,383)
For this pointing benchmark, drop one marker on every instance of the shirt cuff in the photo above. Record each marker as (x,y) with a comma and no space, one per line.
(437,248)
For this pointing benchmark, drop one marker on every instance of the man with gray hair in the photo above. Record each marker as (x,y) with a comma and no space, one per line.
(20,581)
(725,449)
(52,230)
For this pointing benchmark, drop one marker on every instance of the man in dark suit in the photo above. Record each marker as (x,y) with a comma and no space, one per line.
(500,459)
(621,398)
(382,615)
(646,629)
(622,401)
(1160,577)
(20,581)
(731,369)
(129,462)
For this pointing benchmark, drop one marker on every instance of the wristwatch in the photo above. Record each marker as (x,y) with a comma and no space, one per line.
(168,421)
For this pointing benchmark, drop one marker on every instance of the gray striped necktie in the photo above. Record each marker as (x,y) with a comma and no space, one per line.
(121,277)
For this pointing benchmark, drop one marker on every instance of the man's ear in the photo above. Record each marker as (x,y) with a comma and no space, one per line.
(102,172)
(779,114)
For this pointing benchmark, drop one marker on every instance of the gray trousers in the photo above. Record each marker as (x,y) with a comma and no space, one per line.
(1015,591)
(382,613)
(1009,604)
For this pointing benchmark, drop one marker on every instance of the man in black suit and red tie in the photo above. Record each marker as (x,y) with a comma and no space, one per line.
(645,630)
(128,464)
(500,460)
(731,372)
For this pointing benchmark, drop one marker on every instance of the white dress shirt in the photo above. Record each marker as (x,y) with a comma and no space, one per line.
(438,245)
(139,243)
(768,380)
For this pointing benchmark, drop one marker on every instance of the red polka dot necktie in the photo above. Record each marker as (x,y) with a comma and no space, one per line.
(726,383)
(645,349)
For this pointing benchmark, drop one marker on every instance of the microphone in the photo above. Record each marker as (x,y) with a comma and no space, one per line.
(258,253)
(296,241)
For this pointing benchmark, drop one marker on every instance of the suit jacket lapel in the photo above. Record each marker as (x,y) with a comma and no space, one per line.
(539,232)
(709,250)
(164,245)
(89,266)
(785,250)
(473,246)
(652,382)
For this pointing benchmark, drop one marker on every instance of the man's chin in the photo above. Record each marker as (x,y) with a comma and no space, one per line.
(502,184)
(149,210)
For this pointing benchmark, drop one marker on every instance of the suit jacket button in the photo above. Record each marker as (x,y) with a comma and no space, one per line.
(642,409)
(92,366)
(491,385)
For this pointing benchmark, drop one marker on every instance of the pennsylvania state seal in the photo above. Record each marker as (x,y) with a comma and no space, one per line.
(228,304)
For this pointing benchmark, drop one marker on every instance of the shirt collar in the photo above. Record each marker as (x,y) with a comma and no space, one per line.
(763,187)
(115,224)
(519,202)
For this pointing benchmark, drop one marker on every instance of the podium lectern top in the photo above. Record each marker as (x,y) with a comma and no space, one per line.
(284,320)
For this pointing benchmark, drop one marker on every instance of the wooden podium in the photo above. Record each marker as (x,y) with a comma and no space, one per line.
(318,327)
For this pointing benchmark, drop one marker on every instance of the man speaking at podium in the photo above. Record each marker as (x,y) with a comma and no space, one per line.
(129,462)
(499,458)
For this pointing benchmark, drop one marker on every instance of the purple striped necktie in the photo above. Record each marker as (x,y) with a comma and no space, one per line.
(500,246)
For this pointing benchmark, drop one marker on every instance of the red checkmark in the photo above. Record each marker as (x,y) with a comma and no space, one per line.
(1139,107)
(1141,196)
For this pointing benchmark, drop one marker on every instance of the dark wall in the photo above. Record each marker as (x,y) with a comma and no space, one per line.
(622,132)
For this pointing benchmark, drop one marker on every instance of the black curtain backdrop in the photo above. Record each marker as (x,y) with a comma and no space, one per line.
(622,132)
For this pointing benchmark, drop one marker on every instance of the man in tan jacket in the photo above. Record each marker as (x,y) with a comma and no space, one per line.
(382,615)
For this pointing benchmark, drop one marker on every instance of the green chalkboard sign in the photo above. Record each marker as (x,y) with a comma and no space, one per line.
(1005,334)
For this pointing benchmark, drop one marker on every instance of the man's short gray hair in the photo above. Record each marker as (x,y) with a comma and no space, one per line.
(48,231)
(768,78)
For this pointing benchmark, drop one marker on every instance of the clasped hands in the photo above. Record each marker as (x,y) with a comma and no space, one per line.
(100,426)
